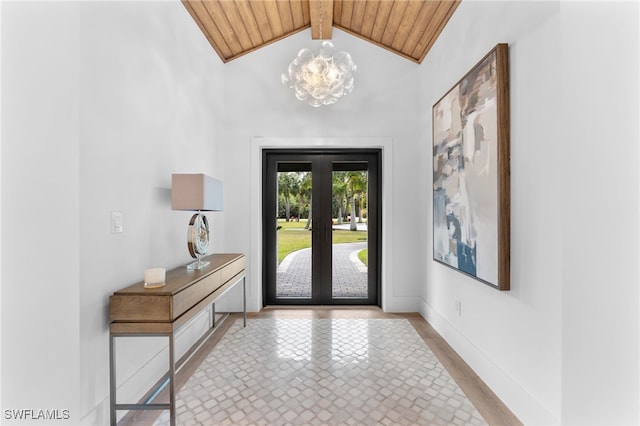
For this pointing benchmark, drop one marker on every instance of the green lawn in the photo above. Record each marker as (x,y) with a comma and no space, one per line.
(363,256)
(292,236)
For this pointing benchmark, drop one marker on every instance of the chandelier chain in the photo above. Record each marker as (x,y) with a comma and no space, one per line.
(321,13)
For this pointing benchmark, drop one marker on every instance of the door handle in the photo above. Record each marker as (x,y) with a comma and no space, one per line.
(327,233)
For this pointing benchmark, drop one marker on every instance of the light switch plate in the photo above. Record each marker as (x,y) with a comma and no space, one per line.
(116,223)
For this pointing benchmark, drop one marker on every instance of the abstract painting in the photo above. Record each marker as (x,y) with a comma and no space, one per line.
(471,203)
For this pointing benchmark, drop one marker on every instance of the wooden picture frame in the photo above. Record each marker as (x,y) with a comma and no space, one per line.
(471,173)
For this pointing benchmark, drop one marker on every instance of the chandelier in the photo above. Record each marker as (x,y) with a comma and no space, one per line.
(320,79)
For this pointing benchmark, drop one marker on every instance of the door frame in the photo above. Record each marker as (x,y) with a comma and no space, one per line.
(252,235)
(322,157)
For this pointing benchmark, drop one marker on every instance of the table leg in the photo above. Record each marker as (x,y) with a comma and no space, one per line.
(112,380)
(172,383)
(244,299)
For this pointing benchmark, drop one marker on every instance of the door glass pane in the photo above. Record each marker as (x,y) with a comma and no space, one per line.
(350,233)
(293,272)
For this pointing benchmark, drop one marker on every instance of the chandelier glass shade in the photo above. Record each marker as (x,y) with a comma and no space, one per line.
(320,79)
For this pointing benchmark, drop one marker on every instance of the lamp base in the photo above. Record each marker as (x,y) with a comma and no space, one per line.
(198,264)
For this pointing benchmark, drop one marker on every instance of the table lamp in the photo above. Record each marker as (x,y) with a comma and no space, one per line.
(200,193)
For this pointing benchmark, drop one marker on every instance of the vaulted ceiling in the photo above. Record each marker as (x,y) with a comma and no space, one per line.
(237,27)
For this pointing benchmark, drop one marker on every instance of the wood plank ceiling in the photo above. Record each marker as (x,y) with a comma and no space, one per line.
(237,27)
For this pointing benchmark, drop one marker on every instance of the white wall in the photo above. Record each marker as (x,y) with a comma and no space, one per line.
(40,244)
(562,345)
(600,308)
(102,101)
(1,96)
(382,105)
(151,91)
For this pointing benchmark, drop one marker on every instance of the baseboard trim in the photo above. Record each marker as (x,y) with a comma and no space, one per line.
(394,304)
(524,405)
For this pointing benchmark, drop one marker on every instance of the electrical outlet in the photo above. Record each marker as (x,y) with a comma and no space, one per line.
(116,223)
(459,307)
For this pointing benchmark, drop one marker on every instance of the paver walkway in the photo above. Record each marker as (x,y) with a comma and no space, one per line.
(349,273)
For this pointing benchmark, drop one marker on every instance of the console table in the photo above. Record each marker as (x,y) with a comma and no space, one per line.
(137,311)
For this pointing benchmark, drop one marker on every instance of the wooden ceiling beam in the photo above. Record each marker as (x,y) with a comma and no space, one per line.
(237,27)
(321,13)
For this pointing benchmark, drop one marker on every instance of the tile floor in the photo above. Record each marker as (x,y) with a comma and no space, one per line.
(322,371)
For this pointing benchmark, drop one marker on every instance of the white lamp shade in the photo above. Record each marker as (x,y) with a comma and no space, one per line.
(196,192)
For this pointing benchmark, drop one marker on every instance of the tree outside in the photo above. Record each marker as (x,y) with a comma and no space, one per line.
(349,204)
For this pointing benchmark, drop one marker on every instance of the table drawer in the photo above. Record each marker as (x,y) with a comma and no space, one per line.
(233,269)
(190,296)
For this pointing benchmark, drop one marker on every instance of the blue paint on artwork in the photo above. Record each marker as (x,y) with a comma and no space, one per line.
(466,258)
(453,225)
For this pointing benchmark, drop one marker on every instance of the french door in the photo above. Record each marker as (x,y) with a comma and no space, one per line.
(321,227)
